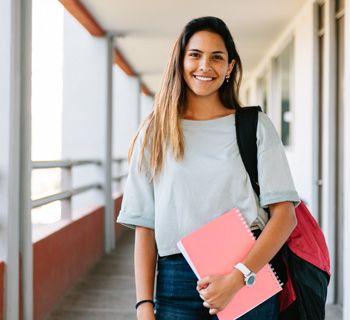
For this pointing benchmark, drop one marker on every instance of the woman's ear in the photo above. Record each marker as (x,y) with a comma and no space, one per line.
(231,65)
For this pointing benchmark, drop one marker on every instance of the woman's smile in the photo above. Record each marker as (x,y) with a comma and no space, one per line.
(204,78)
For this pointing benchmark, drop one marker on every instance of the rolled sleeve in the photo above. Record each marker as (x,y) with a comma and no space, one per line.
(138,199)
(132,220)
(275,179)
(276,197)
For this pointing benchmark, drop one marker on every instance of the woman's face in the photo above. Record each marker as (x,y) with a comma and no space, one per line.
(205,64)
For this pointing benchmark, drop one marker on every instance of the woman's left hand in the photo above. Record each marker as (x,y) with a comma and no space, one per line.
(217,291)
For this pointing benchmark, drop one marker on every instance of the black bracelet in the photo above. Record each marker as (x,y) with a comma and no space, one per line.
(143,301)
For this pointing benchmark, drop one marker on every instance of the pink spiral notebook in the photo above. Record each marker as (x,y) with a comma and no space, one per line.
(216,247)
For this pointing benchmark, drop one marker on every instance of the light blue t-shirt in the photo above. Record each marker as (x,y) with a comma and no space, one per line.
(209,181)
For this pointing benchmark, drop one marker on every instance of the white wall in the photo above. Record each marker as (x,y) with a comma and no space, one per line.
(300,153)
(84,105)
(146,105)
(126,110)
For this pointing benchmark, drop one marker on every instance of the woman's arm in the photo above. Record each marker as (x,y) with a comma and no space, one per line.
(218,291)
(145,264)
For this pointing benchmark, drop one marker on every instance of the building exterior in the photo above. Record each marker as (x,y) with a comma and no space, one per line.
(302,82)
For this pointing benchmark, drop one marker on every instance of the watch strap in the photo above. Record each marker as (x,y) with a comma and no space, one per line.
(241,267)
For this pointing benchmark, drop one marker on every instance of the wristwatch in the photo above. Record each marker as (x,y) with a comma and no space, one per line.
(249,276)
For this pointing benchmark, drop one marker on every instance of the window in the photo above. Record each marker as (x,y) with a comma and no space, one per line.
(284,65)
(263,87)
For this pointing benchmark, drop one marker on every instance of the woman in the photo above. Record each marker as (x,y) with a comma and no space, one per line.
(186,170)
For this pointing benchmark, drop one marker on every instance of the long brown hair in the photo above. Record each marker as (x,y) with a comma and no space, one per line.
(163,124)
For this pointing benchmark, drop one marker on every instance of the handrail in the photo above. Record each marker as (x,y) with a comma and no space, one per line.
(67,165)
(120,177)
(66,195)
(120,159)
(62,163)
(63,195)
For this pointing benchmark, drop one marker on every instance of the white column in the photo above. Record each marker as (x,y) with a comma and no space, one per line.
(328,196)
(109,203)
(139,110)
(26,246)
(15,166)
(9,160)
(346,253)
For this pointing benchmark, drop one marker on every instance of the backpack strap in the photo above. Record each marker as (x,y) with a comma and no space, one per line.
(246,126)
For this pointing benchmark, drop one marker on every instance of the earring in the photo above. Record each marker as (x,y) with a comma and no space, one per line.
(228,78)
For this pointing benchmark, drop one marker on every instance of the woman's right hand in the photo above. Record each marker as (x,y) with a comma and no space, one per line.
(145,311)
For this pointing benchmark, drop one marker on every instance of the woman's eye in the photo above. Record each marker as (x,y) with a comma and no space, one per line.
(218,57)
(194,54)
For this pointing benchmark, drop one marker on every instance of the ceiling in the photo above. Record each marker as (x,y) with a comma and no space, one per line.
(146,30)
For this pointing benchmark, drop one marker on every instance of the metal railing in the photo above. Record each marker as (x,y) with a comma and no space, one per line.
(119,179)
(66,181)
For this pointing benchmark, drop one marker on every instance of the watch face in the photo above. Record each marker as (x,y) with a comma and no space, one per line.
(250,280)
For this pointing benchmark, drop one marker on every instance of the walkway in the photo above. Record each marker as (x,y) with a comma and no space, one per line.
(106,291)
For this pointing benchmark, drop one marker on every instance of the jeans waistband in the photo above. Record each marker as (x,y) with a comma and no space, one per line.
(171,257)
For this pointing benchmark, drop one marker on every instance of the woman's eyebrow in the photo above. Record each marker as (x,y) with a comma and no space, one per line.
(214,52)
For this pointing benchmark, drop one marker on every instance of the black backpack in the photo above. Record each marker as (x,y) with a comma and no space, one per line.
(305,284)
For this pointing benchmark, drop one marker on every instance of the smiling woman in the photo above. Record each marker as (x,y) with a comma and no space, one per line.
(186,170)
(205,67)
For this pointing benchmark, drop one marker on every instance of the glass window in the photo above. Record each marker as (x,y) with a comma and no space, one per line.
(263,87)
(285,72)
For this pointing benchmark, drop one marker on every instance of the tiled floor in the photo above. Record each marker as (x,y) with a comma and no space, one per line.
(106,291)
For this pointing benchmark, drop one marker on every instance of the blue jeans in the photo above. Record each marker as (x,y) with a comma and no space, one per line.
(178,299)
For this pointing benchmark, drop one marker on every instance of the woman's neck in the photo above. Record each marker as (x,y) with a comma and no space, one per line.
(205,108)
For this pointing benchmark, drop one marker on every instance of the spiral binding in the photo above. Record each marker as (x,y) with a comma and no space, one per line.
(246,225)
(271,269)
(275,277)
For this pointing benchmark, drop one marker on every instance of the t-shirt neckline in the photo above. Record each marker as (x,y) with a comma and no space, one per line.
(209,123)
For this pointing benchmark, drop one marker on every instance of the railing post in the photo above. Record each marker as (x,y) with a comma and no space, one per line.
(118,171)
(66,184)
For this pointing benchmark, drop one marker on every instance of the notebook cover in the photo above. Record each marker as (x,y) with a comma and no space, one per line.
(216,247)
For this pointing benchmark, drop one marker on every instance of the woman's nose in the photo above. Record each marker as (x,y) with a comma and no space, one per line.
(205,64)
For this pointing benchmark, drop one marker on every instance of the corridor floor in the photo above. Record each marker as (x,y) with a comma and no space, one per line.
(106,291)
